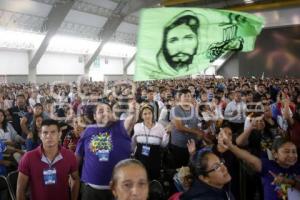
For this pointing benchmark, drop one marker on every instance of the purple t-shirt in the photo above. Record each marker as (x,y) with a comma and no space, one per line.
(101,149)
(276,192)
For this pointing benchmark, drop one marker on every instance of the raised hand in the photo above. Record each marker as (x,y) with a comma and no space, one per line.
(191,145)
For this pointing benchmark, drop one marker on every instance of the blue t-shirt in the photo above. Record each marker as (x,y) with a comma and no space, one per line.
(2,149)
(276,192)
(101,149)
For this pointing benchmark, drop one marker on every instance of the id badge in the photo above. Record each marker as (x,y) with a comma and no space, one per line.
(103,155)
(145,150)
(49,176)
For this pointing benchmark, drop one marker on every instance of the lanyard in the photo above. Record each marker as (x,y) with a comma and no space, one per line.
(147,135)
(48,161)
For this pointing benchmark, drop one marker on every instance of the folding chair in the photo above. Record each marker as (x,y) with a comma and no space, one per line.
(4,189)
(12,179)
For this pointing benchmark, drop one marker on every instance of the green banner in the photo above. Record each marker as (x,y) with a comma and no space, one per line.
(174,42)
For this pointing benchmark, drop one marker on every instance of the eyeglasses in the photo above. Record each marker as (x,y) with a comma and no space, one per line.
(217,166)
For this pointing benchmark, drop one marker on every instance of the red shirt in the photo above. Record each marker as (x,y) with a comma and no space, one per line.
(32,165)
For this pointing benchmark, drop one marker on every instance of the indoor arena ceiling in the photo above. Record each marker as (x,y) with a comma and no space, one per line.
(100,20)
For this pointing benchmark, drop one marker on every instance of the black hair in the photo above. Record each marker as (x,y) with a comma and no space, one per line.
(38,105)
(49,122)
(184,91)
(198,163)
(35,132)
(278,142)
(4,123)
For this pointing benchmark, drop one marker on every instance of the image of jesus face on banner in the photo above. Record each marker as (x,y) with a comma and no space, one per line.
(180,42)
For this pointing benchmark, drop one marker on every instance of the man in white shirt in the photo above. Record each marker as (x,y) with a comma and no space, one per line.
(235,113)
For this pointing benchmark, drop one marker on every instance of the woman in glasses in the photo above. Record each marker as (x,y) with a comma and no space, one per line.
(210,178)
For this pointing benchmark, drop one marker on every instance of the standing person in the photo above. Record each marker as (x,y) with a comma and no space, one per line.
(236,113)
(185,127)
(100,148)
(47,168)
(149,136)
(157,105)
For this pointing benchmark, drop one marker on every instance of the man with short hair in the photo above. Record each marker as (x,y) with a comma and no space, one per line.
(260,92)
(18,111)
(101,147)
(185,127)
(47,169)
(235,113)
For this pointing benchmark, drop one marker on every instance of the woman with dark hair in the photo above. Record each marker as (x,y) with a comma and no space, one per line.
(7,132)
(129,180)
(210,178)
(149,136)
(33,138)
(279,176)
(72,137)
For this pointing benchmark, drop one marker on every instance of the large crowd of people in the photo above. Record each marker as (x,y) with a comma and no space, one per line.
(197,139)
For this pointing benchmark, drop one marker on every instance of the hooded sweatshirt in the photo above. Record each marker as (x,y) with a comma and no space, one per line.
(201,191)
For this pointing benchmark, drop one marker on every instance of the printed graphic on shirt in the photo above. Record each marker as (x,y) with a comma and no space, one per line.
(101,145)
(282,189)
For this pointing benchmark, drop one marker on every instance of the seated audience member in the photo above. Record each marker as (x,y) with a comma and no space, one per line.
(9,158)
(47,170)
(149,136)
(129,180)
(280,175)
(33,138)
(72,137)
(8,133)
(27,120)
(210,178)
(18,111)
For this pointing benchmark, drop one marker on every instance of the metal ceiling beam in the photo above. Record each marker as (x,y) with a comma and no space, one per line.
(266,5)
(123,9)
(55,18)
(176,2)
(94,9)
(128,64)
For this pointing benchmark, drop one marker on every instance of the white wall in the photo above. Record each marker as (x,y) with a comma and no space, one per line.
(131,68)
(108,66)
(53,63)
(13,62)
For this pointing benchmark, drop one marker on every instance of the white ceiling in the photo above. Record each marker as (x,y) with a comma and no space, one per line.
(85,19)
